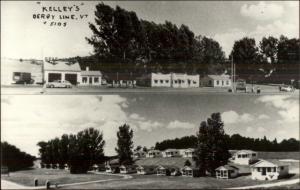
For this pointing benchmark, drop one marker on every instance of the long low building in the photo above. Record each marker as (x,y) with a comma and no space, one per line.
(174,80)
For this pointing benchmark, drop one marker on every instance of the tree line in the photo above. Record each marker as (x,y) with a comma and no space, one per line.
(235,142)
(124,43)
(82,150)
(15,159)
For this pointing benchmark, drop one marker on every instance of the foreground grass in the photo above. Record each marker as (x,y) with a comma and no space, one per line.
(26,177)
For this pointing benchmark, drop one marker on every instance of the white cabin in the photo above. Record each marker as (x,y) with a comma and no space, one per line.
(226,172)
(189,153)
(154,154)
(269,170)
(216,81)
(171,153)
(243,157)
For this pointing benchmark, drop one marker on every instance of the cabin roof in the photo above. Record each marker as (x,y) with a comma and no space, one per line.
(270,163)
(172,161)
(61,66)
(91,73)
(227,167)
(219,77)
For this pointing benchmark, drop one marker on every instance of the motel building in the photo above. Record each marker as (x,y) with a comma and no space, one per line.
(226,172)
(184,81)
(189,153)
(269,170)
(223,81)
(171,153)
(244,157)
(146,169)
(128,169)
(62,70)
(90,78)
(154,154)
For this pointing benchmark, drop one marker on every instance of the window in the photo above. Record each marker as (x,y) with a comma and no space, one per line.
(258,169)
(167,81)
(175,81)
(217,82)
(155,81)
(253,154)
(84,79)
(161,81)
(179,81)
(269,169)
(182,81)
(222,83)
(239,156)
(96,80)
(227,82)
(194,82)
(281,168)
(274,169)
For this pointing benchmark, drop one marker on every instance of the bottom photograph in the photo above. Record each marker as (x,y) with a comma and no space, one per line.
(150,141)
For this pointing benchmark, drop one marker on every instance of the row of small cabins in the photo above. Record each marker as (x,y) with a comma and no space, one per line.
(40,71)
(242,162)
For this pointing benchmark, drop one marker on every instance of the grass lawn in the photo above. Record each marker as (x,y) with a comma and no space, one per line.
(170,182)
(26,177)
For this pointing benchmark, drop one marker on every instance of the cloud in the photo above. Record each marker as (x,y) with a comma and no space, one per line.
(262,11)
(232,117)
(249,129)
(263,116)
(288,108)
(261,129)
(149,125)
(136,116)
(180,125)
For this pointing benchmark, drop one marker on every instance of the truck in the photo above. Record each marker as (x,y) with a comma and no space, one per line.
(22,78)
(241,85)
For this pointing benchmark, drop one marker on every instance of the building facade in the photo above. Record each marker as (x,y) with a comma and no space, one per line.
(244,157)
(91,78)
(171,153)
(217,81)
(269,170)
(154,154)
(62,70)
(226,172)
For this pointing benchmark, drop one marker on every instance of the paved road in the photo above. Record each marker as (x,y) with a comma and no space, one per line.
(281,183)
(31,90)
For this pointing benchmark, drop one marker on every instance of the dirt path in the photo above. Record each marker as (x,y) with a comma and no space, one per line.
(281,183)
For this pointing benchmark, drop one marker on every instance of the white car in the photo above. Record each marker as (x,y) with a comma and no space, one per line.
(59,84)
(286,88)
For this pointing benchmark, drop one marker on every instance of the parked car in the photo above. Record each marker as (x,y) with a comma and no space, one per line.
(241,85)
(59,84)
(286,88)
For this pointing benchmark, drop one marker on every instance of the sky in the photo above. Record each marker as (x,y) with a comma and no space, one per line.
(28,119)
(23,36)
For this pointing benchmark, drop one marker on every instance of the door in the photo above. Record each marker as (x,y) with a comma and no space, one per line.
(54,76)
(90,80)
(264,171)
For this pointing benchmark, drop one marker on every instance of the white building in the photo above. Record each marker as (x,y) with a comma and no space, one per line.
(160,80)
(216,81)
(269,170)
(243,157)
(184,81)
(226,172)
(27,71)
(189,153)
(62,70)
(91,78)
(154,154)
(171,153)
(127,169)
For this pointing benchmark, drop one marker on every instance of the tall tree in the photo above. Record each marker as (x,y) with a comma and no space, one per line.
(268,48)
(124,144)
(212,150)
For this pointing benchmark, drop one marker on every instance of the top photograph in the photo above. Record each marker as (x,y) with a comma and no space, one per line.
(176,47)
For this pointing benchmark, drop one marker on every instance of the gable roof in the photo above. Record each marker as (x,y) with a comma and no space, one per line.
(227,167)
(171,150)
(61,66)
(219,77)
(269,163)
(245,151)
(91,73)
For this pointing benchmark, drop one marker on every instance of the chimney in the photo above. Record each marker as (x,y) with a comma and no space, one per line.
(87,68)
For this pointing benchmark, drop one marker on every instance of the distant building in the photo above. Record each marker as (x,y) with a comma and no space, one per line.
(244,157)
(91,78)
(216,81)
(146,169)
(269,170)
(189,153)
(171,153)
(62,70)
(168,170)
(19,71)
(124,80)
(127,169)
(174,80)
(226,172)
(153,154)
(190,171)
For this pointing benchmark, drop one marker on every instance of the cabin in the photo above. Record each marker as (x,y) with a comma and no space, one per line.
(90,78)
(154,154)
(146,169)
(139,154)
(128,169)
(216,81)
(62,70)
(190,171)
(179,80)
(112,169)
(171,153)
(66,167)
(269,170)
(168,170)
(244,157)
(189,153)
(95,167)
(226,172)
(123,80)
